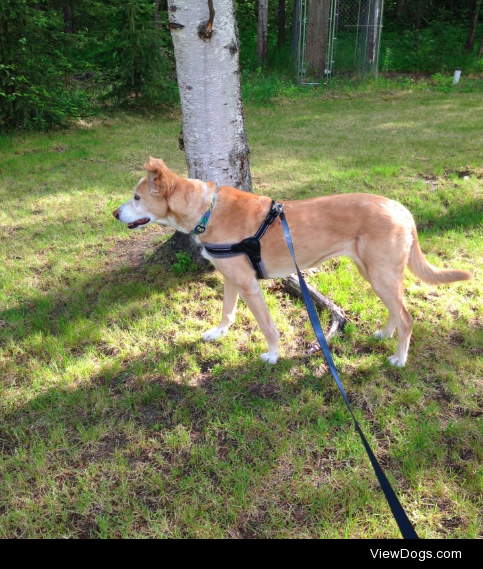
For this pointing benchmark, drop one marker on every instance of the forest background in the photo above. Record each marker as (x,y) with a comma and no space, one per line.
(63,59)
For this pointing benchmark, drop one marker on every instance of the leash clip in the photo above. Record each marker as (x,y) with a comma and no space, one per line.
(199,229)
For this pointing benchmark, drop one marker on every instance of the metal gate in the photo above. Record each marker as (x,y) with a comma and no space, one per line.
(303,71)
(354,30)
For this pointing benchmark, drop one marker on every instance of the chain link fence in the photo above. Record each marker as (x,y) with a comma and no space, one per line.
(345,35)
(358,41)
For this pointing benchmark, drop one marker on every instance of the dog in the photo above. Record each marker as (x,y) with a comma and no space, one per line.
(378,234)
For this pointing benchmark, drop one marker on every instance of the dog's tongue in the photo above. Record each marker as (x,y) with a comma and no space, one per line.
(138,223)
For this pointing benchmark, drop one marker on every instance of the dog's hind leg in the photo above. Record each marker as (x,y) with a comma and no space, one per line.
(230,301)
(389,330)
(389,288)
(252,295)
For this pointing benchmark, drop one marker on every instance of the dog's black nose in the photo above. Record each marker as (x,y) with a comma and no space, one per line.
(116,214)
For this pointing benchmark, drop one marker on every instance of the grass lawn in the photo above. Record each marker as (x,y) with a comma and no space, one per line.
(117,421)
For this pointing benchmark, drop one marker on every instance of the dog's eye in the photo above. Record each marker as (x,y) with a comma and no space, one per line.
(137,198)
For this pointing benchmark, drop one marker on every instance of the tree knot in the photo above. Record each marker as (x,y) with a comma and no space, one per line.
(205,30)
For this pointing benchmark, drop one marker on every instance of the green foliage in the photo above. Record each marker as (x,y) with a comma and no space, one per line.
(279,60)
(67,58)
(441,48)
(262,88)
(49,72)
(184,264)
(137,54)
(33,68)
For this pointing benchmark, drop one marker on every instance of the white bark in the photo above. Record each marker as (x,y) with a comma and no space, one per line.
(207,49)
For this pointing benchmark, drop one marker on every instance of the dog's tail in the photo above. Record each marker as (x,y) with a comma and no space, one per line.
(429,273)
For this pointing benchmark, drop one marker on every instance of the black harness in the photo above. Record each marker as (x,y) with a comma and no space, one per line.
(250,247)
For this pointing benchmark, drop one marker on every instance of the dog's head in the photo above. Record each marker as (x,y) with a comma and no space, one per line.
(165,198)
(150,201)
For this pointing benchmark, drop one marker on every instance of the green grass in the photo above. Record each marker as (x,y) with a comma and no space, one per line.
(117,421)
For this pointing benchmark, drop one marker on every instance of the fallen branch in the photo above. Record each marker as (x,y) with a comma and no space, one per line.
(339,320)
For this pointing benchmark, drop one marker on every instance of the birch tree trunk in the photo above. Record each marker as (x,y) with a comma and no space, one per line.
(374,22)
(206,46)
(262,41)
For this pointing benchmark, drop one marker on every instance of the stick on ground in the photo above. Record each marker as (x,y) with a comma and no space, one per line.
(339,320)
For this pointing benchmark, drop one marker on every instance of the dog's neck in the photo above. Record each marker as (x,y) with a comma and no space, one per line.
(188,202)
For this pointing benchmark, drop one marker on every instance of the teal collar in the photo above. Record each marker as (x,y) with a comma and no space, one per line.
(201,227)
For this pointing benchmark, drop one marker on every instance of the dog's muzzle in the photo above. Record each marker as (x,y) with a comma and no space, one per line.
(134,224)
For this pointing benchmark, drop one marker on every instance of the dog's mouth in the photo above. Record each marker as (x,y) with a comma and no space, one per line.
(139,223)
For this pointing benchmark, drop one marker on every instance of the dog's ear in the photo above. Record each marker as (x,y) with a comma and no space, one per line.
(150,167)
(157,163)
(155,176)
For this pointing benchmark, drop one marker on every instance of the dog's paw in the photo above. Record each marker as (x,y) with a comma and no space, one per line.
(396,361)
(383,335)
(270,358)
(379,335)
(214,334)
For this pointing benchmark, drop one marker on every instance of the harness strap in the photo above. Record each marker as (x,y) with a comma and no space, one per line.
(250,247)
(399,514)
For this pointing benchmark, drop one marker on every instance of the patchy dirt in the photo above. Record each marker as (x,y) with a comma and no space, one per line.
(466,172)
(271,390)
(105,450)
(148,247)
(133,252)
(83,527)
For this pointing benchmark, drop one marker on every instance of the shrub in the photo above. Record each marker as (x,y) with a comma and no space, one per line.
(140,62)
(33,93)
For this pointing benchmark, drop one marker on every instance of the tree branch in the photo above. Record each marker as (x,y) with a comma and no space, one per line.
(339,320)
(205,31)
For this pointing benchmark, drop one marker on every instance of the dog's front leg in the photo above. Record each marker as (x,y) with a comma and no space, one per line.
(230,300)
(252,295)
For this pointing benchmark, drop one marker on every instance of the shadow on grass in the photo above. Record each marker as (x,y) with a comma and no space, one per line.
(466,217)
(235,421)
(238,419)
(94,297)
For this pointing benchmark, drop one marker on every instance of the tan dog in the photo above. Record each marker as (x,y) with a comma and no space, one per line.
(378,234)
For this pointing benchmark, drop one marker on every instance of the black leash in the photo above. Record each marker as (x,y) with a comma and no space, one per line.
(399,514)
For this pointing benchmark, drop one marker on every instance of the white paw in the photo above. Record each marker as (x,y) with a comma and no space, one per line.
(379,335)
(214,334)
(270,358)
(396,361)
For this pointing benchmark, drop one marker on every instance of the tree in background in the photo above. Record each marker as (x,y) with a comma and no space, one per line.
(317,37)
(133,47)
(374,17)
(67,58)
(207,49)
(470,42)
(262,37)
(282,23)
(295,28)
(32,66)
